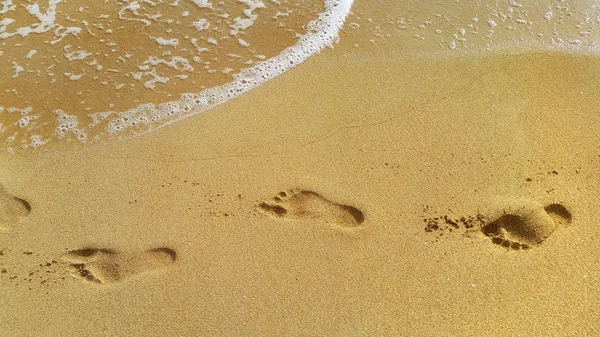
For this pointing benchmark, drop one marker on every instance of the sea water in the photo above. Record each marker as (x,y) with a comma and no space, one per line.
(85,71)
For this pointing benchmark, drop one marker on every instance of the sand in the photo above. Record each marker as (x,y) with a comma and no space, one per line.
(378,190)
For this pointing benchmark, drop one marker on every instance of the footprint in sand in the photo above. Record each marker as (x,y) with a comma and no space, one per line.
(526,225)
(105,266)
(12,209)
(302,204)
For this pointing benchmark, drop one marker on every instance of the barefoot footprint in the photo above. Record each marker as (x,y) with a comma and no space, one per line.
(12,209)
(527,225)
(105,266)
(303,204)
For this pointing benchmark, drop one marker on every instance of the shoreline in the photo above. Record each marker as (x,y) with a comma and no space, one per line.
(73,146)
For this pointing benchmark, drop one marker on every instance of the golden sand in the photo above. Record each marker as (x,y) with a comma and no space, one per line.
(375,190)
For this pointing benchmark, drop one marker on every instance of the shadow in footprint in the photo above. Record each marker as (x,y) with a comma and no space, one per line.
(559,214)
(12,209)
(526,226)
(105,266)
(303,204)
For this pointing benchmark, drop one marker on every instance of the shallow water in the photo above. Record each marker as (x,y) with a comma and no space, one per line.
(78,71)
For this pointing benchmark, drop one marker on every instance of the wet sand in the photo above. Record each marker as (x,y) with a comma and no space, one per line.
(395,193)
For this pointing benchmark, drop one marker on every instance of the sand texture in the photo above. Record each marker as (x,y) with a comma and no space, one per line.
(382,188)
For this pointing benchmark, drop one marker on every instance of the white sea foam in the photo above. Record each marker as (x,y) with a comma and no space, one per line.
(167,42)
(201,24)
(17,69)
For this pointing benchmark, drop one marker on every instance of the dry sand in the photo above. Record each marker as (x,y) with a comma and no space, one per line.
(370,191)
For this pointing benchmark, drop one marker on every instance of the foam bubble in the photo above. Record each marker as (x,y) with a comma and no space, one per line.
(201,24)
(167,42)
